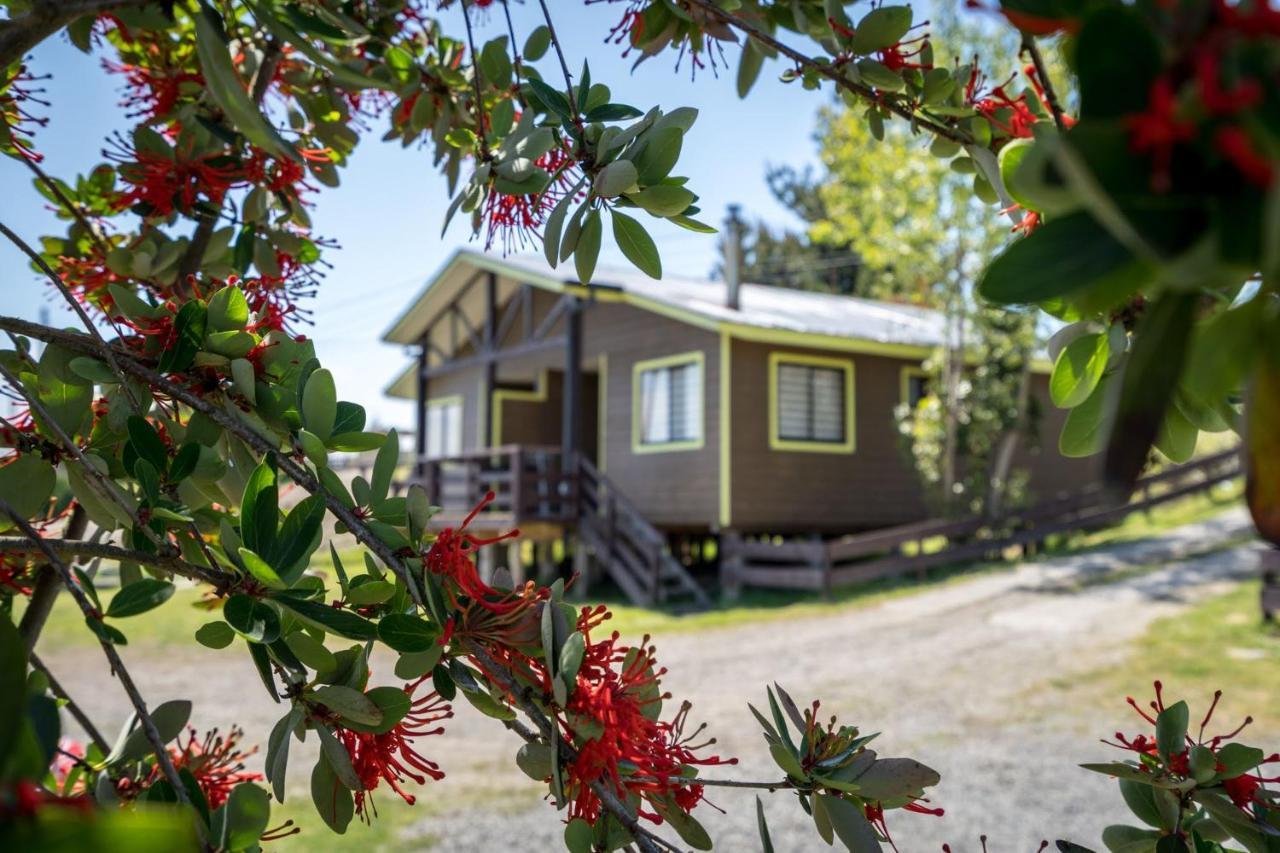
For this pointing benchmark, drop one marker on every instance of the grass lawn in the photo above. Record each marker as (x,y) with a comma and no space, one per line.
(1219,644)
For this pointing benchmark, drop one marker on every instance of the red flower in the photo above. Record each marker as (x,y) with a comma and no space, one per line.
(216,763)
(153,91)
(1159,130)
(612,718)
(515,218)
(17,121)
(1234,143)
(390,756)
(174,183)
(898,56)
(1243,789)
(450,557)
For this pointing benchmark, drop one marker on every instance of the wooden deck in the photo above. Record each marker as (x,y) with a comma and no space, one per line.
(822,564)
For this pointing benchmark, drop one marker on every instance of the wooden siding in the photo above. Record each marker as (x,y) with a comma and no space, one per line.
(677,489)
(783,491)
(466,384)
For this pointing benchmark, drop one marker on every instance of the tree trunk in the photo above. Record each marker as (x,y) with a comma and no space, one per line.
(1002,461)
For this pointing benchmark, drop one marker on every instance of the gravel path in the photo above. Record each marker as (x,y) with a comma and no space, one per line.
(968,677)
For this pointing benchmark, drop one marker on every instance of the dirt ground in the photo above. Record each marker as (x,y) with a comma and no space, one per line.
(974,678)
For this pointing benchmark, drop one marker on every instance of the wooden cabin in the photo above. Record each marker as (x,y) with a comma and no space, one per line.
(636,411)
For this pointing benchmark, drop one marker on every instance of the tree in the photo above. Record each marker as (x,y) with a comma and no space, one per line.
(185,402)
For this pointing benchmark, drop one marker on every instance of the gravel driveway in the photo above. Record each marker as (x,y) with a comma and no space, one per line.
(968,677)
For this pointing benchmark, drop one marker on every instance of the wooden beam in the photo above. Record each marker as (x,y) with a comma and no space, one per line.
(571,438)
(500,355)
(420,439)
(491,345)
(553,316)
(510,313)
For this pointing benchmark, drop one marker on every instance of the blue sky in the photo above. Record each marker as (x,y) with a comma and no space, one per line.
(388,212)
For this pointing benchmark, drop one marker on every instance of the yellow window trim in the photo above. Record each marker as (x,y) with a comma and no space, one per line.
(904,381)
(726,405)
(500,395)
(697,357)
(776,442)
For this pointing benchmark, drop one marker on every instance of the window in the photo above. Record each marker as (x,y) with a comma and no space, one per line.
(811,403)
(667,400)
(444,427)
(915,386)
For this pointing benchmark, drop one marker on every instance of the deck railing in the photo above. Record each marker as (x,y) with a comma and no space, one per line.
(824,564)
(529,484)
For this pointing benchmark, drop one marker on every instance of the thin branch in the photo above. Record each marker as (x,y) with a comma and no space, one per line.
(227,420)
(108,649)
(72,208)
(79,548)
(564,66)
(475,82)
(1029,45)
(58,283)
(831,72)
(511,33)
(47,586)
(76,711)
(106,488)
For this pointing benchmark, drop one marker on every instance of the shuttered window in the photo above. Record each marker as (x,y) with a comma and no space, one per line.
(444,429)
(811,403)
(670,404)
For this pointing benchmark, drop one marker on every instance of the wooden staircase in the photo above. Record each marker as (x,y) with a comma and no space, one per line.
(629,548)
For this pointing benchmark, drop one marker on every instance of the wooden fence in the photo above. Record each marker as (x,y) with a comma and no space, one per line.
(825,564)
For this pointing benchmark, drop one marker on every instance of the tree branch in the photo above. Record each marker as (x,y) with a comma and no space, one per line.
(564,66)
(19,35)
(76,548)
(475,82)
(113,657)
(61,286)
(76,711)
(1029,45)
(47,586)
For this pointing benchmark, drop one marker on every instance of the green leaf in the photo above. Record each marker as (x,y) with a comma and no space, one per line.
(762,825)
(355,442)
(787,761)
(26,484)
(332,800)
(277,760)
(299,538)
(893,778)
(348,703)
(1151,376)
(261,571)
(615,179)
(1085,429)
(417,664)
(880,76)
(310,651)
(1171,729)
(749,68)
(339,759)
(555,225)
(850,824)
(1078,370)
(170,719)
(1118,60)
(248,810)
(13,693)
(663,199)
(256,620)
(487,705)
(228,91)
(384,467)
(189,329)
(185,462)
(320,404)
(636,244)
(66,396)
(1236,758)
(393,702)
(406,633)
(588,250)
(228,310)
(659,155)
(536,45)
(344,623)
(139,597)
(1129,839)
(880,28)
(215,635)
(571,654)
(260,510)
(1063,256)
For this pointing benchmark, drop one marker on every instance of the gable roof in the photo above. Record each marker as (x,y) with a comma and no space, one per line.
(698,301)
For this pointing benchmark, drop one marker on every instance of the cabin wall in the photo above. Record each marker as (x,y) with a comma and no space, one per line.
(464,383)
(792,491)
(676,489)
(1052,473)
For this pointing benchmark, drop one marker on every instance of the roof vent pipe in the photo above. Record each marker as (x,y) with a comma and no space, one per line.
(733,257)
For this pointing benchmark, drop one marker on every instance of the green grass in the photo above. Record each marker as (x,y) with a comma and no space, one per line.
(1218,644)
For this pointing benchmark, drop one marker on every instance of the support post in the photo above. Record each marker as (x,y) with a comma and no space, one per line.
(571,424)
(420,438)
(491,345)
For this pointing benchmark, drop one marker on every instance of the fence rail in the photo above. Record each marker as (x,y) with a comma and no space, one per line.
(825,564)
(529,484)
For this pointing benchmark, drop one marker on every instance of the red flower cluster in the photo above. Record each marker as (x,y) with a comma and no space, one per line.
(216,762)
(390,756)
(1242,789)
(152,92)
(16,122)
(517,218)
(165,185)
(612,717)
(1192,98)
(1010,115)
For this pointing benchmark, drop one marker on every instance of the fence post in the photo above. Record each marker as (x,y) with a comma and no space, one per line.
(729,551)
